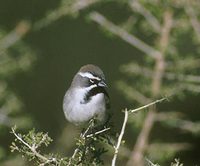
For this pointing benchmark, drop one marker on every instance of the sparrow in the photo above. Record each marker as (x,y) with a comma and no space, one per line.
(87,97)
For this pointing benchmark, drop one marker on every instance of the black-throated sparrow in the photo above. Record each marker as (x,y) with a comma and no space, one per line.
(87,97)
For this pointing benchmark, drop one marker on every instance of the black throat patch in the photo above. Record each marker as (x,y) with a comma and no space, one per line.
(94,91)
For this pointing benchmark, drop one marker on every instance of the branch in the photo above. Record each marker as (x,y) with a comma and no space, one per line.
(193,19)
(82,136)
(190,87)
(85,140)
(11,38)
(183,77)
(184,64)
(150,162)
(150,18)
(120,138)
(98,132)
(24,27)
(62,11)
(121,33)
(148,105)
(136,69)
(124,126)
(33,150)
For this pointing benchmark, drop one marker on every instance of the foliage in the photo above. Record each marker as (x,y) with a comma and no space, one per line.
(88,150)
(29,145)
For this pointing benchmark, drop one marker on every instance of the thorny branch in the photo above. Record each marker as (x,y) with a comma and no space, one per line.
(32,148)
(84,135)
(120,138)
(126,113)
(29,144)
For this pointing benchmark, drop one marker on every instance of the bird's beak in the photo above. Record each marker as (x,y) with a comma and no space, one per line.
(102,83)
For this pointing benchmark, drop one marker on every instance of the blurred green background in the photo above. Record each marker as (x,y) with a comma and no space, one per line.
(44,43)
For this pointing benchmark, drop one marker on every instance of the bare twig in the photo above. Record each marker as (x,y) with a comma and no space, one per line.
(124,126)
(120,138)
(127,37)
(98,132)
(148,105)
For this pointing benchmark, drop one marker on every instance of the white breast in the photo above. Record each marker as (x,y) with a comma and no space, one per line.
(77,111)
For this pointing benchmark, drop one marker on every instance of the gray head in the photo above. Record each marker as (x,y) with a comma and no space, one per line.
(89,75)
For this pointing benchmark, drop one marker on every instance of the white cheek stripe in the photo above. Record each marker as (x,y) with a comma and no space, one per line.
(90,87)
(88,75)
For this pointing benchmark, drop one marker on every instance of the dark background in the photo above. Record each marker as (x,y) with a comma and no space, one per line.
(61,49)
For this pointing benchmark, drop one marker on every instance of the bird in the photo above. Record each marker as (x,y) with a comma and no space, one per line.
(87,96)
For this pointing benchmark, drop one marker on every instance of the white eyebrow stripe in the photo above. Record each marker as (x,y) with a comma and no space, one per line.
(88,75)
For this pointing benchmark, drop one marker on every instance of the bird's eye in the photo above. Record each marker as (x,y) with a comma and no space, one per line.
(92,80)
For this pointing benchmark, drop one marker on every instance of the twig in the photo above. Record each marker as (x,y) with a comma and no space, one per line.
(136,69)
(42,140)
(84,135)
(98,132)
(184,64)
(183,77)
(150,162)
(150,18)
(30,147)
(193,19)
(120,138)
(191,87)
(124,126)
(63,10)
(148,105)
(20,30)
(127,37)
